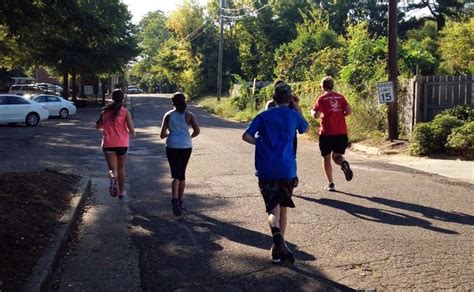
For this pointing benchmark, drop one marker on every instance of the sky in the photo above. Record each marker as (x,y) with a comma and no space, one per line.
(140,8)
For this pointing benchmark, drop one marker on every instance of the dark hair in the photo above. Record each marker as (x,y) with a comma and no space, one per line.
(282,93)
(117,97)
(327,83)
(179,102)
(279,81)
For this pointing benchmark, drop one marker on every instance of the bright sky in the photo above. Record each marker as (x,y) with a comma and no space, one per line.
(140,8)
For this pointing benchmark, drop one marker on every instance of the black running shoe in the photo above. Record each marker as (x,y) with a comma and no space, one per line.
(330,187)
(287,254)
(176,209)
(347,170)
(280,245)
(275,254)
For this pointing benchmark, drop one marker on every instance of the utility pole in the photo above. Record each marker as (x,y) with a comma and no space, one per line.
(393,68)
(221,50)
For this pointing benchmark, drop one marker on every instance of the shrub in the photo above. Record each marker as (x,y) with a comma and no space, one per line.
(442,126)
(422,139)
(462,112)
(461,140)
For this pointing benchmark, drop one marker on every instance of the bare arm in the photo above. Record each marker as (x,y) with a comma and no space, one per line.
(164,127)
(192,121)
(98,124)
(130,127)
(315,114)
(249,138)
(348,110)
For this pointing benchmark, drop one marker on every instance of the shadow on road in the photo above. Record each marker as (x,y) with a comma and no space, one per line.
(246,236)
(377,215)
(428,212)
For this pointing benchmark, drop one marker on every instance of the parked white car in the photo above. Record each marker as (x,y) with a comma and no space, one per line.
(57,106)
(18,109)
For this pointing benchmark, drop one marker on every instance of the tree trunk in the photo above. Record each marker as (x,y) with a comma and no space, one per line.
(65,84)
(74,85)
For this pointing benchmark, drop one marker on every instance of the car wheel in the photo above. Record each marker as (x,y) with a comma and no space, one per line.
(32,119)
(64,113)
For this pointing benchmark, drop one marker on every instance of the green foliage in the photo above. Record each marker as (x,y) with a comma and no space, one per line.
(414,55)
(241,94)
(366,59)
(457,47)
(421,142)
(461,140)
(461,112)
(294,58)
(442,126)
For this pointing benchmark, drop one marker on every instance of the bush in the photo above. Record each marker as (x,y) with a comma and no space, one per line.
(422,140)
(462,112)
(442,126)
(461,140)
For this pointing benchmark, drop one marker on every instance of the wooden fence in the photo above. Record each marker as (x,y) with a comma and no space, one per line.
(426,96)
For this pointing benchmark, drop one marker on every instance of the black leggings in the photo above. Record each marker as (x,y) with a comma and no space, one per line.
(178,160)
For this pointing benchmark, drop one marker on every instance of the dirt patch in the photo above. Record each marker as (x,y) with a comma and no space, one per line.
(31,203)
(388,146)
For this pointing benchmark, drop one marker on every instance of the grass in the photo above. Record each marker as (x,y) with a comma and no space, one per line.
(225,108)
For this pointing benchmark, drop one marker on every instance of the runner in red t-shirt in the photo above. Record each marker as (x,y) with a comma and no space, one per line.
(333,109)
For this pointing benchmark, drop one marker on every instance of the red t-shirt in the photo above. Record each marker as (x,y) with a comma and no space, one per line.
(332,106)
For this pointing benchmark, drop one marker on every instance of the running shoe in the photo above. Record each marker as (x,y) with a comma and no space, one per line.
(123,197)
(347,170)
(283,250)
(275,254)
(330,187)
(176,209)
(113,187)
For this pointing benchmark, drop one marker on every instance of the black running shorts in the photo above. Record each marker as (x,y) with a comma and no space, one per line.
(277,191)
(178,160)
(120,151)
(333,143)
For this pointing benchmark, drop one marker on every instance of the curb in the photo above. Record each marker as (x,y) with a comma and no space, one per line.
(367,149)
(44,270)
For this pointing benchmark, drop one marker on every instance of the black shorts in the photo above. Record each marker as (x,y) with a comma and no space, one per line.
(333,143)
(120,151)
(178,159)
(277,191)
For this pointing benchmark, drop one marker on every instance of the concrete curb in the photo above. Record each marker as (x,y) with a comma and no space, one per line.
(367,149)
(47,264)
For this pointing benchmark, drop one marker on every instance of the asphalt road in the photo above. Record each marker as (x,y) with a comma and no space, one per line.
(389,228)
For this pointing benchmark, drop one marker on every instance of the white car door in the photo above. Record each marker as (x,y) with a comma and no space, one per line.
(54,105)
(4,116)
(18,108)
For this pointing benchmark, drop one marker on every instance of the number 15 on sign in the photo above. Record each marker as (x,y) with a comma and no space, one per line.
(385,92)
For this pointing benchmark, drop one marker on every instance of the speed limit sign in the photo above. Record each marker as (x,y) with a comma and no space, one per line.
(386,92)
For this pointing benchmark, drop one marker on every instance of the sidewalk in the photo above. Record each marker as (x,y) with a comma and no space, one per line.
(101,256)
(455,169)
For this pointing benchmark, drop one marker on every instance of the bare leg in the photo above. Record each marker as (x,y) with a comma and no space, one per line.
(112,163)
(174,188)
(338,158)
(182,185)
(283,220)
(274,217)
(121,173)
(328,167)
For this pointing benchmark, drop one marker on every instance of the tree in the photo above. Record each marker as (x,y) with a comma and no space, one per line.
(441,10)
(457,47)
(294,58)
